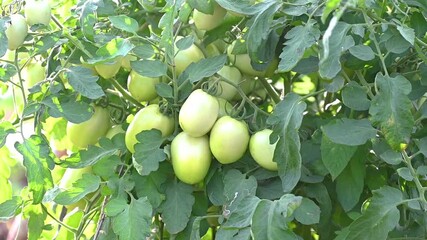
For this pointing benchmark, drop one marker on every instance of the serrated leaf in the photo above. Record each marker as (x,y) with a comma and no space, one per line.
(36,218)
(47,42)
(362,52)
(287,118)
(391,109)
(166,23)
(117,47)
(205,67)
(242,216)
(135,221)
(407,33)
(68,107)
(244,7)
(237,187)
(148,153)
(88,19)
(124,23)
(38,161)
(87,184)
(299,39)
(10,208)
(333,46)
(354,96)
(164,90)
(350,182)
(176,209)
(357,132)
(380,217)
(149,68)
(6,128)
(335,156)
(7,71)
(120,186)
(84,82)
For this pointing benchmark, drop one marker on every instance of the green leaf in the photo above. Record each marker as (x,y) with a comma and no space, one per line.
(299,39)
(120,186)
(68,107)
(6,128)
(270,219)
(148,153)
(331,5)
(380,217)
(244,7)
(333,46)
(135,220)
(6,187)
(150,68)
(241,217)
(117,47)
(38,162)
(287,118)
(350,182)
(237,187)
(176,209)
(388,155)
(419,24)
(185,42)
(164,90)
(10,208)
(362,52)
(115,206)
(3,37)
(233,234)
(7,71)
(336,84)
(407,33)
(320,193)
(308,212)
(46,43)
(354,96)
(87,184)
(215,188)
(357,132)
(206,7)
(335,156)
(124,23)
(405,173)
(166,23)
(394,41)
(88,19)
(205,67)
(391,109)
(84,82)
(36,218)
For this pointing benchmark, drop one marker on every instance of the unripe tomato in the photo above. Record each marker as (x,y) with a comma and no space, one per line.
(109,69)
(191,157)
(126,61)
(262,151)
(208,22)
(33,73)
(148,118)
(88,133)
(225,107)
(142,88)
(226,90)
(212,50)
(229,139)
(70,176)
(113,131)
(243,62)
(198,113)
(37,12)
(16,32)
(184,58)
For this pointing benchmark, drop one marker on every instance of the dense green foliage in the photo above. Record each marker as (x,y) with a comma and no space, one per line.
(338,89)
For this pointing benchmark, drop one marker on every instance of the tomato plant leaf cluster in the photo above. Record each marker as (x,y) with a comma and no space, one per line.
(221,119)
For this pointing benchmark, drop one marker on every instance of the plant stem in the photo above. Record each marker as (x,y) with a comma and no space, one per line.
(364,83)
(73,230)
(125,93)
(421,189)
(270,90)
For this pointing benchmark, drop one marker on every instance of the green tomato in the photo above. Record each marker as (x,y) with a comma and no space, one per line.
(262,151)
(37,12)
(70,176)
(142,88)
(184,58)
(243,62)
(212,50)
(208,22)
(113,131)
(225,107)
(148,118)
(198,113)
(33,73)
(191,157)
(229,139)
(109,69)
(126,61)
(226,90)
(88,133)
(16,32)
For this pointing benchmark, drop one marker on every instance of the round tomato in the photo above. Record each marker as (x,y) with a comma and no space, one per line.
(142,88)
(146,119)
(191,157)
(126,61)
(183,58)
(212,50)
(16,32)
(229,139)
(262,151)
(33,73)
(208,22)
(87,133)
(198,113)
(37,12)
(113,131)
(226,90)
(69,177)
(109,69)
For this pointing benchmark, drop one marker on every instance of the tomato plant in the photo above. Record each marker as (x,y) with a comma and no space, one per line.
(213,119)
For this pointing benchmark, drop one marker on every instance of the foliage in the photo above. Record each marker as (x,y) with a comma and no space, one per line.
(341,83)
